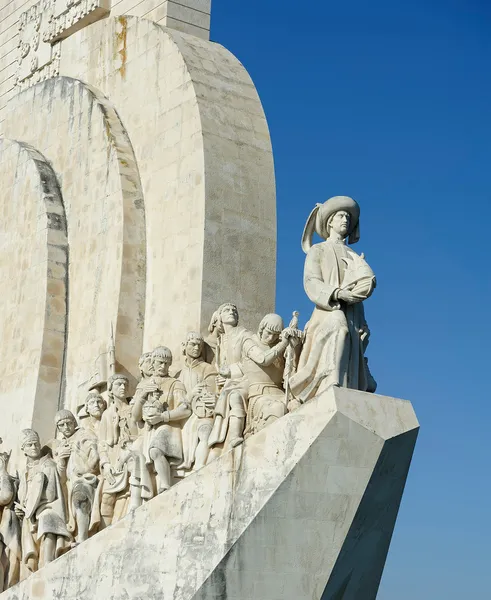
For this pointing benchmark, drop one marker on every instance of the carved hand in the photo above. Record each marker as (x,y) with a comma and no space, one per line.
(108,473)
(224,371)
(348,297)
(149,388)
(19,510)
(221,381)
(155,419)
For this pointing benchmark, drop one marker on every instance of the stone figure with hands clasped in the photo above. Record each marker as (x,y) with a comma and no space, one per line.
(199,379)
(77,457)
(42,507)
(159,409)
(337,280)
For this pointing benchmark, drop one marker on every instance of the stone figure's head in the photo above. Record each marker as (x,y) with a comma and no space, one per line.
(66,423)
(161,361)
(117,386)
(226,314)
(194,345)
(145,364)
(340,214)
(30,443)
(95,404)
(270,329)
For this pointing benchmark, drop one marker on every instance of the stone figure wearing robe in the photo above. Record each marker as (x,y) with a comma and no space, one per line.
(77,457)
(127,482)
(337,280)
(42,507)
(160,410)
(231,405)
(90,414)
(199,379)
(263,364)
(10,549)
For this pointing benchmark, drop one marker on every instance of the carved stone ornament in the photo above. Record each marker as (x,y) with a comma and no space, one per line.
(41,28)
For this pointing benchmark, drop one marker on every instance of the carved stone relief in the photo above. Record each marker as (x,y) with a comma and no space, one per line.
(41,29)
(127,450)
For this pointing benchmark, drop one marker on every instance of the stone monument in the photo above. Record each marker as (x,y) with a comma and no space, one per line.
(164,435)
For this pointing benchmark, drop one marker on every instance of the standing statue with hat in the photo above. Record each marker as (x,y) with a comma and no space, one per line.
(337,280)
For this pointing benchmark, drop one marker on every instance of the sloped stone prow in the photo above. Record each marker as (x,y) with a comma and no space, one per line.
(278,517)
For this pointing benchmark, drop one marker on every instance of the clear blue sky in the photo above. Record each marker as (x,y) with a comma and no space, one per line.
(390,102)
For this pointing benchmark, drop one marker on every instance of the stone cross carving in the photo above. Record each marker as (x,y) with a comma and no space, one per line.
(41,28)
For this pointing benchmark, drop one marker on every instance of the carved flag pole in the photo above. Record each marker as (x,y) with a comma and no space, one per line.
(290,358)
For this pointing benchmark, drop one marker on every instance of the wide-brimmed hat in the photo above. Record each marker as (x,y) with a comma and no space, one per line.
(319,218)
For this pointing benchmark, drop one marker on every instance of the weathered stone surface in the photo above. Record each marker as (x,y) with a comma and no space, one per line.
(81,135)
(33,271)
(165,167)
(304,509)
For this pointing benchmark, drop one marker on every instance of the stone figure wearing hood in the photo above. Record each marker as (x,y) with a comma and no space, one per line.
(337,280)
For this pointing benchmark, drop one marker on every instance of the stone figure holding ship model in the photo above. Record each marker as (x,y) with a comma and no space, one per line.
(337,280)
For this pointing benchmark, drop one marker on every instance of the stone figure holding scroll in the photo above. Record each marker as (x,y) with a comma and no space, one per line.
(159,410)
(199,379)
(337,280)
(10,549)
(42,507)
(77,457)
(127,482)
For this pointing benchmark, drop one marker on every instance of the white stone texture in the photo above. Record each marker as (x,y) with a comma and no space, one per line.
(33,251)
(204,156)
(175,120)
(304,509)
(81,135)
(189,16)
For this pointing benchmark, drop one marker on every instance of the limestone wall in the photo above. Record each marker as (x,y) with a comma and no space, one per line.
(192,16)
(161,148)
(33,272)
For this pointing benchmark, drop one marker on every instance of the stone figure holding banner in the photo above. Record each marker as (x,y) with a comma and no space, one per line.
(337,280)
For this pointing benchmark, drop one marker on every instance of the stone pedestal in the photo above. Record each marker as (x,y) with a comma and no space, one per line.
(304,509)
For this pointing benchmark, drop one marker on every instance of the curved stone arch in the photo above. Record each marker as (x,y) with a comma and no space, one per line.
(34,325)
(133,268)
(90,150)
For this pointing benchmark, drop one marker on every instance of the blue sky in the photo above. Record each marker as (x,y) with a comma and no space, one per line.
(390,102)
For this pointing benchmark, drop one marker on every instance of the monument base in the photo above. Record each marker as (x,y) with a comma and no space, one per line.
(303,509)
